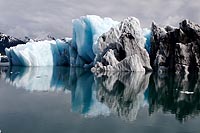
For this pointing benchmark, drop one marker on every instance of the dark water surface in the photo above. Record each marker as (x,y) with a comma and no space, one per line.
(59,99)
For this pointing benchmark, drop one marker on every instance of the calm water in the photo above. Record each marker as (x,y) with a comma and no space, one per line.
(58,100)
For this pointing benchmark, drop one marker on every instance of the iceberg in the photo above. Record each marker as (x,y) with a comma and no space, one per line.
(41,53)
(117,45)
(86,32)
(176,48)
(78,51)
(122,48)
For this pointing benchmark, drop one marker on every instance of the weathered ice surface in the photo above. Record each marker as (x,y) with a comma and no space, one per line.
(122,48)
(7,42)
(122,92)
(176,49)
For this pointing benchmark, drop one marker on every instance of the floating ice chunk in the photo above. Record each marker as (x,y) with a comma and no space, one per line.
(41,53)
(187,92)
(86,32)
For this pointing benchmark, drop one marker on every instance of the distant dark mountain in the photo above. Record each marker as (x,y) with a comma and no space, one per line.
(7,42)
(48,37)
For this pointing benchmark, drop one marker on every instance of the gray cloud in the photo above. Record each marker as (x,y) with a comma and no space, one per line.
(41,17)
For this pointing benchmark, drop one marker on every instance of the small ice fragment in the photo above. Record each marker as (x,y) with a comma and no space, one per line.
(186,92)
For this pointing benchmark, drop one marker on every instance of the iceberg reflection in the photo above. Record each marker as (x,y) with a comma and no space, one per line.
(84,95)
(91,95)
(79,82)
(37,78)
(177,94)
(123,93)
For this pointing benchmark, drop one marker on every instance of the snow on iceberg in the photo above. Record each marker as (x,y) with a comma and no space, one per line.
(41,53)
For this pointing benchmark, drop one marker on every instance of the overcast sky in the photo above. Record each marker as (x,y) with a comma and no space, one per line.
(54,17)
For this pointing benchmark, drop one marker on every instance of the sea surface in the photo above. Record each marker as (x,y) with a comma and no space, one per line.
(74,100)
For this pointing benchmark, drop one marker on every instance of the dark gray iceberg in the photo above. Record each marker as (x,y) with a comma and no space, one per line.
(175,49)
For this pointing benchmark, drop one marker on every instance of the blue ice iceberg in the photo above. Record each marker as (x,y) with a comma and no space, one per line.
(86,32)
(41,53)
